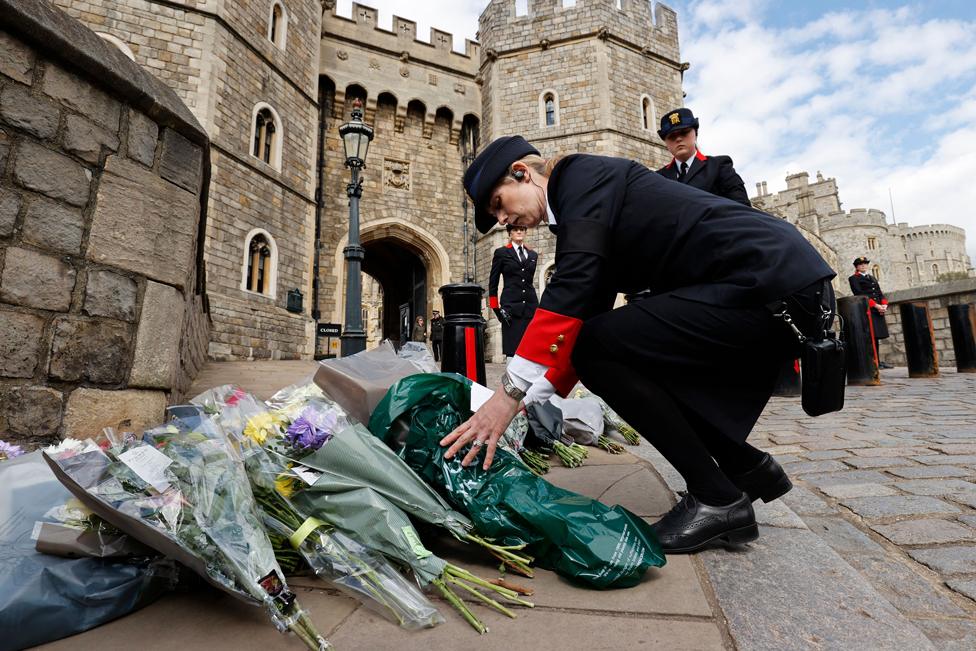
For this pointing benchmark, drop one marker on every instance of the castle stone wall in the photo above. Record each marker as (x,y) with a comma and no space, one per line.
(218,57)
(103,174)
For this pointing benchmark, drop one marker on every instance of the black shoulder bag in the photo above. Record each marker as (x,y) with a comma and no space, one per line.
(823,363)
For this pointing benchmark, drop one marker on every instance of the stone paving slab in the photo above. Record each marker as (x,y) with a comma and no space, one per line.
(925,532)
(948,560)
(964,587)
(890,506)
(936,486)
(949,635)
(929,472)
(903,587)
(842,491)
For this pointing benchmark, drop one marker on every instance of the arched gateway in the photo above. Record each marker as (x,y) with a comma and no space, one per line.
(408,264)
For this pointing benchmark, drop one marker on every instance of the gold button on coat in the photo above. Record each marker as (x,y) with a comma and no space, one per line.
(561,338)
(554,348)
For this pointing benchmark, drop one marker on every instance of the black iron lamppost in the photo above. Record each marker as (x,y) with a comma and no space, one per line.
(469,146)
(356,135)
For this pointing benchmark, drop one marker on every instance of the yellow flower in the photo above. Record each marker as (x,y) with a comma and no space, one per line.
(285,485)
(261,426)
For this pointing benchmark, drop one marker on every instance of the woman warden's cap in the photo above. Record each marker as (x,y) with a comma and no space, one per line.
(861,260)
(487,169)
(681,118)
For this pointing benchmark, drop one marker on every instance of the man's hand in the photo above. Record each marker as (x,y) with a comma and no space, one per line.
(881,308)
(483,429)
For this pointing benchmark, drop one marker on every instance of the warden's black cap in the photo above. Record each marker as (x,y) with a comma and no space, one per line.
(491,165)
(861,260)
(681,118)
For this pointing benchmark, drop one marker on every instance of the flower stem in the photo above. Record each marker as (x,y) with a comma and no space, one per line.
(455,601)
(516,562)
(609,445)
(483,598)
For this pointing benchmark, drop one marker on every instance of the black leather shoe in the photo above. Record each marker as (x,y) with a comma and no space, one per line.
(691,525)
(767,481)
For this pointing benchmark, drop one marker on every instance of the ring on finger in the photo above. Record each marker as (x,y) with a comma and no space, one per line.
(477,443)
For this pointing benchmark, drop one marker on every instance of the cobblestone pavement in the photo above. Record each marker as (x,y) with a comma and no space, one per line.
(890,484)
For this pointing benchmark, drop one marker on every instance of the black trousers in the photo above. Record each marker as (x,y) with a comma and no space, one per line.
(436,347)
(692,378)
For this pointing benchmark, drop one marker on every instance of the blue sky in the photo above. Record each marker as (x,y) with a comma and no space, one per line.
(880,95)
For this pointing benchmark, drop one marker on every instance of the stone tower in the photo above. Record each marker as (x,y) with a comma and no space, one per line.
(592,76)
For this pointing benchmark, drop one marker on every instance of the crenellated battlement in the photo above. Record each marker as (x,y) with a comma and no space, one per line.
(933,231)
(855,218)
(401,40)
(547,22)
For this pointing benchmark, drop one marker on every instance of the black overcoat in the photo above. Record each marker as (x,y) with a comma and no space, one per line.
(518,296)
(713,174)
(867,285)
(622,228)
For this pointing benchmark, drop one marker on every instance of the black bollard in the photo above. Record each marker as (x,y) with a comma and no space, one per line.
(788,382)
(463,347)
(862,358)
(916,327)
(962,323)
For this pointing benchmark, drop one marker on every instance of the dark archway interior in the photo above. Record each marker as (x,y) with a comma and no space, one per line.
(401,272)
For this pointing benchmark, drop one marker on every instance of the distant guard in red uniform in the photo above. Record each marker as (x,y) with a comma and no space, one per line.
(692,365)
(864,284)
(515,263)
(715,174)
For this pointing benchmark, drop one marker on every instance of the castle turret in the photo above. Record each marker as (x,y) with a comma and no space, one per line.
(591,77)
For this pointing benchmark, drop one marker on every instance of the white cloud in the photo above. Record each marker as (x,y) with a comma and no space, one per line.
(877,99)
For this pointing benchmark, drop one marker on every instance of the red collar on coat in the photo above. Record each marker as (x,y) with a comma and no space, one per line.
(698,155)
(510,245)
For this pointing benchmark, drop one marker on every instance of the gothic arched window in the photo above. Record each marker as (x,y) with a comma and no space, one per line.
(548,109)
(266,136)
(278,24)
(647,113)
(260,272)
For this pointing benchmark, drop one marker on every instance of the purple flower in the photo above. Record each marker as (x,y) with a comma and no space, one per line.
(311,429)
(9,450)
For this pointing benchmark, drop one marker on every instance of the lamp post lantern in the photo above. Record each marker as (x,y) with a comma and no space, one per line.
(356,136)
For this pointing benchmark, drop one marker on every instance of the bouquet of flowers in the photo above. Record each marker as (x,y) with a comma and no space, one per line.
(9,451)
(336,471)
(578,537)
(298,538)
(187,496)
(611,420)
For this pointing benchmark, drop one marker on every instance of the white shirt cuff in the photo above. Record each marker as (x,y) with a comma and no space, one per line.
(531,378)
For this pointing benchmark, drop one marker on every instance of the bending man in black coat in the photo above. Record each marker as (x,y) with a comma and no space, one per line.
(514,262)
(715,174)
(692,366)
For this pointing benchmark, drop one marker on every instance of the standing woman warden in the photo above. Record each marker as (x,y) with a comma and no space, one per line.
(692,365)
(516,264)
(715,174)
(864,284)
